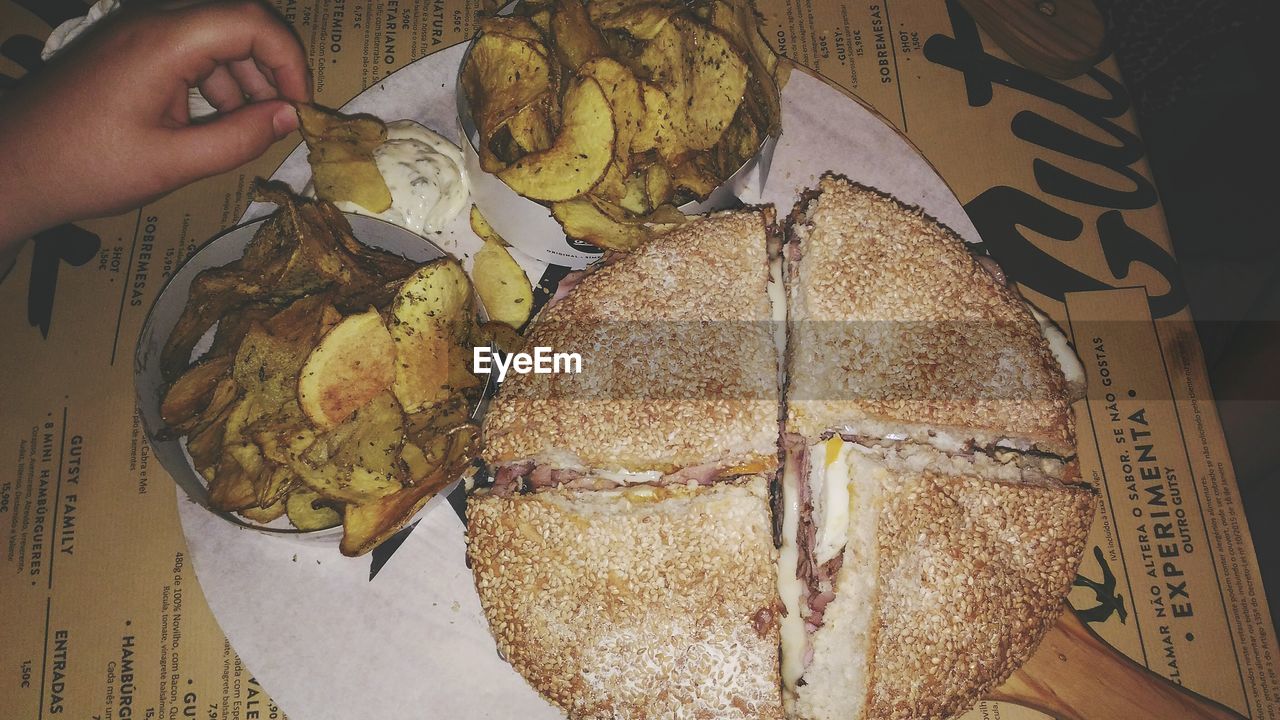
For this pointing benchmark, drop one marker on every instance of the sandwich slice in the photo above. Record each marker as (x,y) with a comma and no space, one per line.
(679,368)
(624,554)
(896,329)
(635,602)
(932,516)
(914,581)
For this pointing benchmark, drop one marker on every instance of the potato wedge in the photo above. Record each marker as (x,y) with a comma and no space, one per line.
(642,21)
(580,154)
(613,185)
(531,128)
(429,318)
(482,228)
(204,443)
(693,179)
(634,196)
(190,395)
(500,282)
(657,131)
(353,362)
(717,81)
(281,482)
(740,23)
(521,28)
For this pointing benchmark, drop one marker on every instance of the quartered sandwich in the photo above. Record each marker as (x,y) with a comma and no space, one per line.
(932,513)
(625,555)
(930,516)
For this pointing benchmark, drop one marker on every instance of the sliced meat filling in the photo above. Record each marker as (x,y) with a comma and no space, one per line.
(817,579)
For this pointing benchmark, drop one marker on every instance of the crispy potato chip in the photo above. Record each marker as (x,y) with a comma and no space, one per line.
(521,28)
(634,197)
(655,126)
(281,482)
(266,514)
(575,39)
(429,317)
(240,463)
(531,128)
(740,142)
(613,185)
(691,84)
(542,20)
(583,220)
(353,362)
(358,462)
(499,280)
(693,179)
(503,74)
(580,154)
(717,81)
(283,343)
(340,152)
(308,511)
(738,20)
(642,21)
(367,525)
(625,99)
(204,442)
(192,393)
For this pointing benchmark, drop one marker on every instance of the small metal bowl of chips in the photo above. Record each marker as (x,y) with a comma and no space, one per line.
(317,519)
(547,173)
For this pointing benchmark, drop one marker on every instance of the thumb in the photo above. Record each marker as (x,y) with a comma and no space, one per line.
(229,140)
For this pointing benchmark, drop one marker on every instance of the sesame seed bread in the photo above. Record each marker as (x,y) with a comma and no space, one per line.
(636,603)
(962,575)
(972,573)
(896,329)
(679,368)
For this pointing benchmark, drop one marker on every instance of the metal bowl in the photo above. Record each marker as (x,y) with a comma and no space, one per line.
(529,226)
(168,307)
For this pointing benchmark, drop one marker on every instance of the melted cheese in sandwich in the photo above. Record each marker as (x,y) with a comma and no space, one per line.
(629,477)
(1072,370)
(830,483)
(789,587)
(831,496)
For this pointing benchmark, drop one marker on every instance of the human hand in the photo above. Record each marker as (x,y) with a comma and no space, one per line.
(104,127)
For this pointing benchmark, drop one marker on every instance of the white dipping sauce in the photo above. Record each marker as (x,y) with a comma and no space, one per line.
(423,171)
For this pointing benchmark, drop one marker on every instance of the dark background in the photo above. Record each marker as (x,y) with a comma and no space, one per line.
(1201,74)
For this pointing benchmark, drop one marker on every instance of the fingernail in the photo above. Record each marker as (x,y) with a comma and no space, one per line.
(284,121)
